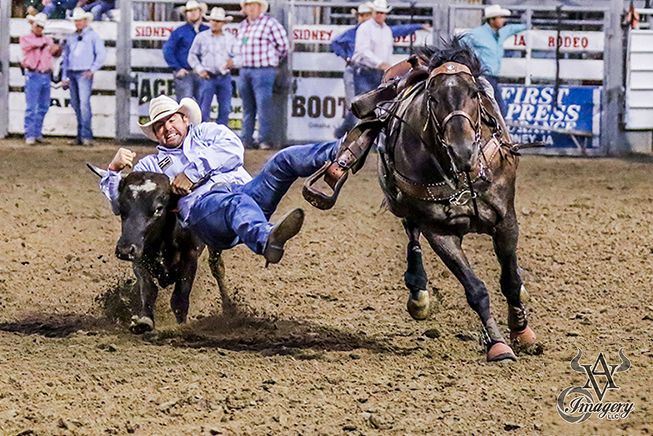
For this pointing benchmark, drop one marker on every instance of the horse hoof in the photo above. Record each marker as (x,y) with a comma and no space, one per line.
(419,307)
(500,351)
(141,324)
(523,338)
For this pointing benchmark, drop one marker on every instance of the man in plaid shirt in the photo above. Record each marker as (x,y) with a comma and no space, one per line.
(262,44)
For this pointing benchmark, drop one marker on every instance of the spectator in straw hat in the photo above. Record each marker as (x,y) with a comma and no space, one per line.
(487,42)
(211,57)
(343,46)
(262,44)
(219,200)
(38,51)
(176,48)
(83,56)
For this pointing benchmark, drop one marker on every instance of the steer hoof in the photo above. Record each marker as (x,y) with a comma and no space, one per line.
(419,305)
(523,338)
(500,351)
(141,324)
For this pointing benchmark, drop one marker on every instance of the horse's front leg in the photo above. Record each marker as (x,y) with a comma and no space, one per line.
(449,249)
(415,276)
(505,246)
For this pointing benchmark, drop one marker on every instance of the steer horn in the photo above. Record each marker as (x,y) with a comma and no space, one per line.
(99,171)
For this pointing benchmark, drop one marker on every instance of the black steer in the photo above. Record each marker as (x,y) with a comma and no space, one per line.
(156,244)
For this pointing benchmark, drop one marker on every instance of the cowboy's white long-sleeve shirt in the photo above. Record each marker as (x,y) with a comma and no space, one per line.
(210,154)
(374,44)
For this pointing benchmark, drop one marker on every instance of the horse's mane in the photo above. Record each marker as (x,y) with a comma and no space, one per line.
(450,50)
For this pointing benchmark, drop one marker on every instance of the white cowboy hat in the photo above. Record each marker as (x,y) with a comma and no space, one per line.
(495,11)
(80,14)
(39,19)
(381,6)
(263,3)
(194,4)
(162,107)
(218,14)
(363,8)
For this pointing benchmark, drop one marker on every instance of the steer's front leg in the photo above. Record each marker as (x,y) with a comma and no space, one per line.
(180,299)
(144,321)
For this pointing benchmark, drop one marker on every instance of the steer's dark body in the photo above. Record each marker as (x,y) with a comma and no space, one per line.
(161,250)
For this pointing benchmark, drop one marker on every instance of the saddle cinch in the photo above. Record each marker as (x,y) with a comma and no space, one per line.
(373,108)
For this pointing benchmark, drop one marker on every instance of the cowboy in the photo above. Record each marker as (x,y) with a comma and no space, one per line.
(343,46)
(83,55)
(263,43)
(176,48)
(211,57)
(219,200)
(38,51)
(487,42)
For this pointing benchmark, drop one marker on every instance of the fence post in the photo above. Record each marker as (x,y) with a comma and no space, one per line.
(5,14)
(123,71)
(280,96)
(613,138)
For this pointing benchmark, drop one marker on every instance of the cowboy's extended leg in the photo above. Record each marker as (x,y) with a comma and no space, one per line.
(279,173)
(227,216)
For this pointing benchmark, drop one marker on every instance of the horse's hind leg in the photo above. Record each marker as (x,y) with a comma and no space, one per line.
(512,287)
(415,276)
(449,249)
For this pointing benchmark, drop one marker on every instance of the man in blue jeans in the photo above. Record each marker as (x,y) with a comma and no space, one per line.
(487,42)
(176,48)
(38,51)
(211,57)
(219,200)
(56,9)
(262,44)
(83,55)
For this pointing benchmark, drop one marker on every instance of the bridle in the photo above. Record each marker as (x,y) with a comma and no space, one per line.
(450,68)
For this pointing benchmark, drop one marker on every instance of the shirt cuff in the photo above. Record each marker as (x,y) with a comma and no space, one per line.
(192,172)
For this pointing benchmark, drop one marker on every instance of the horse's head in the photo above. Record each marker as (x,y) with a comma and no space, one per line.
(453,105)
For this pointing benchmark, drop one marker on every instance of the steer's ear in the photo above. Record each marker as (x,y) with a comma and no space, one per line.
(96,170)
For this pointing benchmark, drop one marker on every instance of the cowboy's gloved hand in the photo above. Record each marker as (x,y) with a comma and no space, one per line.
(123,158)
(181,184)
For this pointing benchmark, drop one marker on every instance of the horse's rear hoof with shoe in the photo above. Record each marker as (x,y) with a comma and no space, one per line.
(419,305)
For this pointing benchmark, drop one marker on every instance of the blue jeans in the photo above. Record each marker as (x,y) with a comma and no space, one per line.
(494,81)
(220,86)
(232,214)
(59,8)
(37,99)
(188,86)
(255,87)
(80,99)
(99,8)
(366,79)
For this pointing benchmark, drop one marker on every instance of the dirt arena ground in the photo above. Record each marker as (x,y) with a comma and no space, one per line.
(322,343)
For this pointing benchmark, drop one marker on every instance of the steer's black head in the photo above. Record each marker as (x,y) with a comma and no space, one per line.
(145,204)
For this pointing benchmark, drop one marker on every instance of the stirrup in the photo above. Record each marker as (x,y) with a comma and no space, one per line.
(335,176)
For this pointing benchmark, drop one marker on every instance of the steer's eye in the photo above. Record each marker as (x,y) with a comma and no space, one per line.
(158,211)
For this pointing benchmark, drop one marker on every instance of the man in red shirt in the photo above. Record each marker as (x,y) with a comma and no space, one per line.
(38,51)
